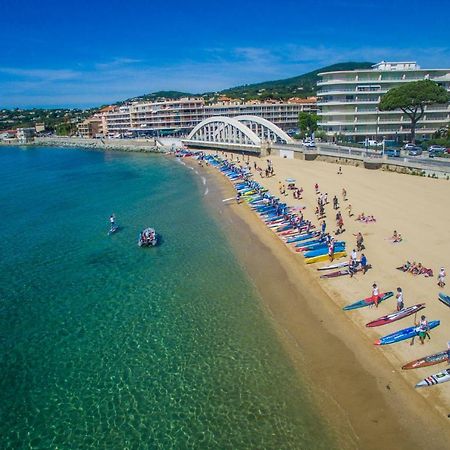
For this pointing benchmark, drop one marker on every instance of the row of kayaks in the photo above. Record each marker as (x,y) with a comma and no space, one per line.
(277,217)
(408,333)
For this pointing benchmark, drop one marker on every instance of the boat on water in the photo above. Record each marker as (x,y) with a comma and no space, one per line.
(148,238)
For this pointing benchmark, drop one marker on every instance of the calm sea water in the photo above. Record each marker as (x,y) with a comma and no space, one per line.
(106,345)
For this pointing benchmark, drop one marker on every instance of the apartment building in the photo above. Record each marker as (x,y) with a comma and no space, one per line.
(348,102)
(182,115)
(91,127)
(282,114)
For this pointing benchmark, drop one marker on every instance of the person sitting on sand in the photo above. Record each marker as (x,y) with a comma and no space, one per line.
(406,266)
(352,267)
(399,239)
(361,217)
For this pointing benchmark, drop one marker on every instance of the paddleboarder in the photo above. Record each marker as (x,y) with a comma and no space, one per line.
(423,329)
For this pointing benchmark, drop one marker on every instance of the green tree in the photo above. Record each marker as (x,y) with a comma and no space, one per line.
(307,122)
(411,98)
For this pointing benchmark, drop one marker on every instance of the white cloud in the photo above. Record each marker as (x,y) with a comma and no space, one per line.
(215,69)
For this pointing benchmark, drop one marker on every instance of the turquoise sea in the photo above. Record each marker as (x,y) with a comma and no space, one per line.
(104,345)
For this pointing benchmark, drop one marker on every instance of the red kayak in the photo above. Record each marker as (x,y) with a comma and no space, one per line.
(397,315)
(430,360)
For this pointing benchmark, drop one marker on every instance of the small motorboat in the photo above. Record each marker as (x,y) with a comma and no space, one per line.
(148,238)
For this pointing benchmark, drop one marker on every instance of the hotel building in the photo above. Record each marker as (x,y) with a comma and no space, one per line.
(348,102)
(182,115)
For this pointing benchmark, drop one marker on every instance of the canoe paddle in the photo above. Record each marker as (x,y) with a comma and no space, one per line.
(412,340)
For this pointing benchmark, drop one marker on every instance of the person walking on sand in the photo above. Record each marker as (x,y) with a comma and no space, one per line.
(423,329)
(349,207)
(344,194)
(324,226)
(364,265)
(339,172)
(359,242)
(441,278)
(399,297)
(375,294)
(354,255)
(316,187)
(331,250)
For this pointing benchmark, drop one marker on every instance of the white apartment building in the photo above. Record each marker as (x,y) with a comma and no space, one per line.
(116,120)
(182,115)
(348,102)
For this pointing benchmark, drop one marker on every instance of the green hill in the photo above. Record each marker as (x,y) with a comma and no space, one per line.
(299,86)
(159,95)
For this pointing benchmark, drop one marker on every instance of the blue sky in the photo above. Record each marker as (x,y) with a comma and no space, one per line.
(87,53)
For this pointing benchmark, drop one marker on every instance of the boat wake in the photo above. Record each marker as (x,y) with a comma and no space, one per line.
(206,191)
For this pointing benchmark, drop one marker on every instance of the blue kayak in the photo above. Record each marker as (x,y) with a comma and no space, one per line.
(324,250)
(406,333)
(300,237)
(317,245)
(445,299)
(368,301)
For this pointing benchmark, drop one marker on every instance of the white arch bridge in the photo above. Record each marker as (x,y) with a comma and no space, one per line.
(240,133)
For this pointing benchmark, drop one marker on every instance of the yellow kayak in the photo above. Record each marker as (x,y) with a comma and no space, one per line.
(320,258)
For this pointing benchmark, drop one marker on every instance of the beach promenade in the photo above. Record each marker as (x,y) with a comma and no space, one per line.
(414,207)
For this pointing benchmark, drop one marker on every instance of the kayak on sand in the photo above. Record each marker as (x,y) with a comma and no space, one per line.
(368,301)
(445,299)
(426,361)
(397,315)
(437,378)
(406,333)
(334,266)
(320,258)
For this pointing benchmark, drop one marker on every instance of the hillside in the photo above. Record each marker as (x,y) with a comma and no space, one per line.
(299,86)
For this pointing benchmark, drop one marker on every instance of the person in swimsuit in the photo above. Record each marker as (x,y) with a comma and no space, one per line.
(375,294)
(423,329)
(399,297)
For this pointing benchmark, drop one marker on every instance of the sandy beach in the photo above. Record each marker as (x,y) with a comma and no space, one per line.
(370,401)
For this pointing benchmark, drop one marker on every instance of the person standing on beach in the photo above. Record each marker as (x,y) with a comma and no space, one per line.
(364,265)
(344,194)
(399,297)
(316,187)
(441,278)
(359,242)
(423,329)
(354,255)
(331,250)
(375,294)
(349,207)
(324,226)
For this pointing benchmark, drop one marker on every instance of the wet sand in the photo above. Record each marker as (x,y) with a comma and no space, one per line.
(368,402)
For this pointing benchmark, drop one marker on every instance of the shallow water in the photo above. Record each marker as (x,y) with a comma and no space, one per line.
(107,345)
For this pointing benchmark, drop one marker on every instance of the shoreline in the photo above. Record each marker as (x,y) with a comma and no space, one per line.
(369,399)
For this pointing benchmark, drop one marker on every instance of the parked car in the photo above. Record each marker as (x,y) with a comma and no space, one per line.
(436,150)
(309,144)
(408,146)
(392,152)
(415,151)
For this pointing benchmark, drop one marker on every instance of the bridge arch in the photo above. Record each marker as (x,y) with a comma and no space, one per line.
(224,129)
(264,129)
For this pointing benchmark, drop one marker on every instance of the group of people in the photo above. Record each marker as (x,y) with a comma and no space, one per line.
(416,269)
(354,264)
(366,219)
